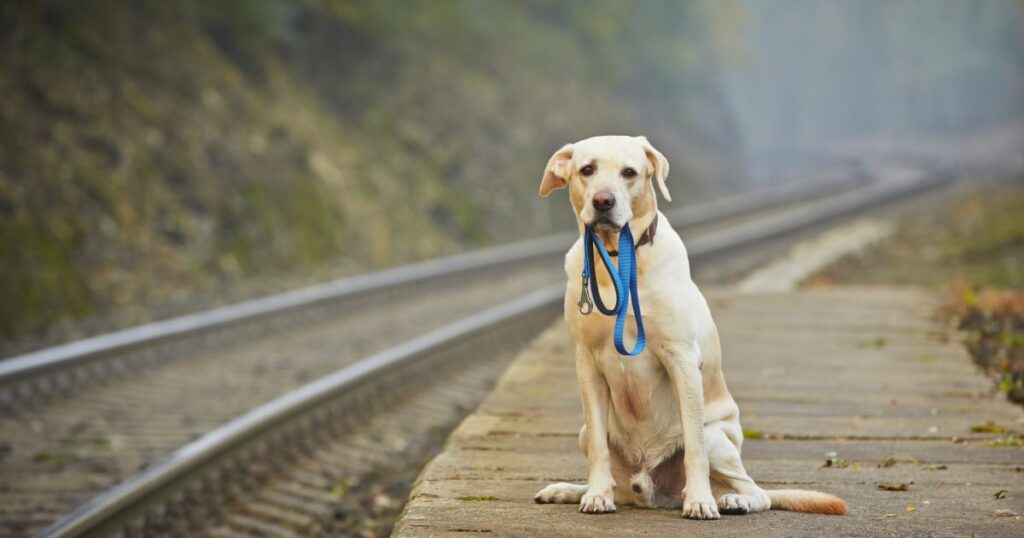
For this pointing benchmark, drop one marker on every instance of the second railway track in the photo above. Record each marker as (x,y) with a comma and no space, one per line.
(155,410)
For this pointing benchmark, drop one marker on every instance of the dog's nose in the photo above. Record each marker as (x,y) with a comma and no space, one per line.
(603,201)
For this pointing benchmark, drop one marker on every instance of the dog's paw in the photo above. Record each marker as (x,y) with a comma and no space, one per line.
(560,493)
(597,503)
(699,506)
(733,504)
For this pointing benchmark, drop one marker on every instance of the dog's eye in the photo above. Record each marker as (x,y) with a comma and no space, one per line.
(587,170)
(628,173)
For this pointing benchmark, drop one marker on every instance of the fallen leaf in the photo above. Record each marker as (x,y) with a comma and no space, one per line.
(910,508)
(1001,494)
(832,460)
(893,487)
(893,460)
(837,463)
(935,467)
(1003,513)
(890,515)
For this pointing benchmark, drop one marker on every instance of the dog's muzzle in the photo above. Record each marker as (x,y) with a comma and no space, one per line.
(604,222)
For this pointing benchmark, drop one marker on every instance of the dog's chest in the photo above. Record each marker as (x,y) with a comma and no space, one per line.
(636,385)
(643,418)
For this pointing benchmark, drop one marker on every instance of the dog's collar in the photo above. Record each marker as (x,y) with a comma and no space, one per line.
(646,238)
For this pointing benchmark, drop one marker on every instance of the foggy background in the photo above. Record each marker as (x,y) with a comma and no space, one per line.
(162,157)
(811,75)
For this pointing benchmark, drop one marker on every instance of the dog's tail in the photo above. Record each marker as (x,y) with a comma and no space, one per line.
(801,500)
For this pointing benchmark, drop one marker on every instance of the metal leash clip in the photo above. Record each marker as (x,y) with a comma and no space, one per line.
(585,304)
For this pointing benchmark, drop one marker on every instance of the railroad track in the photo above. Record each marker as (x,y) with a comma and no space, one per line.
(327,330)
(39,374)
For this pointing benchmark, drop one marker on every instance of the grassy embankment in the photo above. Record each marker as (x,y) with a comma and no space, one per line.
(157,157)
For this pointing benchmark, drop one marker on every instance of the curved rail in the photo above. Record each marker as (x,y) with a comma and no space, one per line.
(121,504)
(93,350)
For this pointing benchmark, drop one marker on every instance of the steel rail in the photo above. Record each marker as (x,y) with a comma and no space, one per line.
(762,199)
(717,243)
(88,351)
(133,497)
(251,425)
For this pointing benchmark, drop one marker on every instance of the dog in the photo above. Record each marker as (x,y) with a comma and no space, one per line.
(661,429)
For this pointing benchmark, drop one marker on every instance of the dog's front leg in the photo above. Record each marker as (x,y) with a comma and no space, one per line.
(600,496)
(683,364)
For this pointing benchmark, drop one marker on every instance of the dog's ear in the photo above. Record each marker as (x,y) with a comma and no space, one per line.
(660,165)
(556,175)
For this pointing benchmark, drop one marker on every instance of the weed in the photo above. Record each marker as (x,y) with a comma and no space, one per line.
(1008,441)
(988,427)
(871,343)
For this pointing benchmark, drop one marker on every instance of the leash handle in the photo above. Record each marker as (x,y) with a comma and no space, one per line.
(590,239)
(628,271)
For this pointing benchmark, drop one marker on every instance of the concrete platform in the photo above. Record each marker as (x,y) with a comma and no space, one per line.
(865,373)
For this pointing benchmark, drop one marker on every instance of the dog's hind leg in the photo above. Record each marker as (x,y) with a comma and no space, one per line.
(561,493)
(742,496)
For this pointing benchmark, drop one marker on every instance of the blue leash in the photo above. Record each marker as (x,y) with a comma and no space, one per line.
(623,277)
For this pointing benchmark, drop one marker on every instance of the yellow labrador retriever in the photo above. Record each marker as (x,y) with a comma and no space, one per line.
(661,428)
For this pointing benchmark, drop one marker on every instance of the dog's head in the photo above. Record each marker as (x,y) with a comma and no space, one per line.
(609,178)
